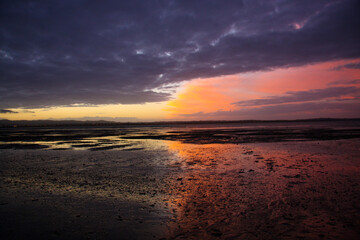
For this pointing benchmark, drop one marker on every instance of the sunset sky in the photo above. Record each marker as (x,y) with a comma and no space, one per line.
(179,60)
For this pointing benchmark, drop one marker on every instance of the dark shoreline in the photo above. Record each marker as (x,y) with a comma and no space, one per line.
(96,137)
(4,123)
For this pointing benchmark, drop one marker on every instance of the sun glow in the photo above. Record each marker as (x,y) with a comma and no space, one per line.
(220,93)
(210,95)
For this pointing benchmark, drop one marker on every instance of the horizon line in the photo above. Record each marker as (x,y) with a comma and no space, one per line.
(52,122)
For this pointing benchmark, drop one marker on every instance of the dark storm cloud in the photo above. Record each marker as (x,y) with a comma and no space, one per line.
(102,52)
(301,96)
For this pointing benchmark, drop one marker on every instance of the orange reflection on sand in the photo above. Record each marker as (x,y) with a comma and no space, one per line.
(209,199)
(219,157)
(193,156)
(259,191)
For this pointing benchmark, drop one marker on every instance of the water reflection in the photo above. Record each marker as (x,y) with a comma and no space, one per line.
(229,191)
(255,192)
(216,191)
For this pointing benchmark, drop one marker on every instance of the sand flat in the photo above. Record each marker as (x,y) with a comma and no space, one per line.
(167,189)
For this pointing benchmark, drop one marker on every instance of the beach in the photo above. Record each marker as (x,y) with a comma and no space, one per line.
(274,181)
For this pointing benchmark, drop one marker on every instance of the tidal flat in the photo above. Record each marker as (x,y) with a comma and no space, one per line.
(215,181)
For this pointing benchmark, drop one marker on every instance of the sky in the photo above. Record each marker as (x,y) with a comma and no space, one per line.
(179,60)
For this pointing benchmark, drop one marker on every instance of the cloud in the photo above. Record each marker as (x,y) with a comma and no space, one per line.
(26,111)
(73,97)
(301,96)
(7,111)
(341,108)
(345,82)
(349,66)
(90,52)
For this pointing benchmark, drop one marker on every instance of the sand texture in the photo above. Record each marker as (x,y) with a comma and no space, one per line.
(128,187)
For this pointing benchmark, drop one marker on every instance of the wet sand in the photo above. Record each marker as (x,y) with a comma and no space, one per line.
(276,191)
(139,187)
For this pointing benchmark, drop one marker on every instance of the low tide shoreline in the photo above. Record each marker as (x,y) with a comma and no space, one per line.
(182,189)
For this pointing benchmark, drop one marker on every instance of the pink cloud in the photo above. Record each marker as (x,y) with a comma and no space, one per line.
(312,84)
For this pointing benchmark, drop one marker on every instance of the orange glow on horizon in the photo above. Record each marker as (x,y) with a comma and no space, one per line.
(199,97)
(212,95)
(112,112)
(219,93)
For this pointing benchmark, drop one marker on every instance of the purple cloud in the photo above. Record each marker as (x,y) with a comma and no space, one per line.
(337,108)
(103,52)
(349,66)
(301,96)
(345,82)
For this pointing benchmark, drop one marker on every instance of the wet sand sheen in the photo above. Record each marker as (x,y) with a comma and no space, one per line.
(298,191)
(174,190)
